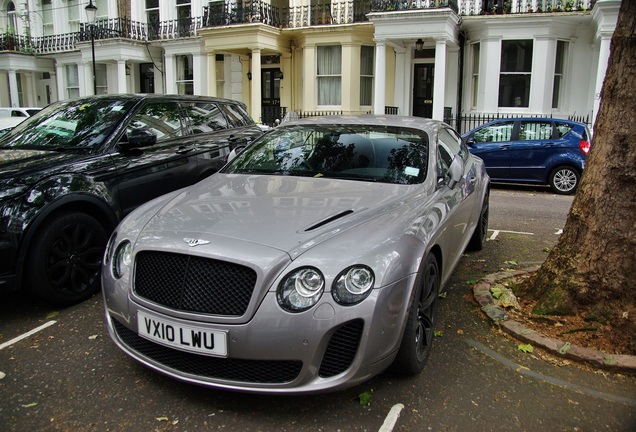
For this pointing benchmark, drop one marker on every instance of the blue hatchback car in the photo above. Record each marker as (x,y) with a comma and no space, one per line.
(532,150)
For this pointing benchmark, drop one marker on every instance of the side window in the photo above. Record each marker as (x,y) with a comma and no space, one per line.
(237,115)
(204,117)
(161,118)
(563,129)
(535,130)
(444,159)
(494,133)
(454,142)
(16,113)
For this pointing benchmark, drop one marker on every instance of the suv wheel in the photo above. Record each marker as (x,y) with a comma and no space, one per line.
(564,180)
(65,259)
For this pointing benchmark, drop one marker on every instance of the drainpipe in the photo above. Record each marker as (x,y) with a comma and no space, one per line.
(460,83)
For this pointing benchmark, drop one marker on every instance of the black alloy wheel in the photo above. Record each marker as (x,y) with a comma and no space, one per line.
(65,259)
(418,335)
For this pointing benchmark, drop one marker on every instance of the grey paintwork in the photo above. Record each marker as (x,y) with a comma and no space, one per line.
(391,229)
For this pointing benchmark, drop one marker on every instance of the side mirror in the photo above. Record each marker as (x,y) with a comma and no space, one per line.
(469,141)
(139,138)
(455,172)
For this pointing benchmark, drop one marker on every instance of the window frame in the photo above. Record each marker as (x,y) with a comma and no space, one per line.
(515,73)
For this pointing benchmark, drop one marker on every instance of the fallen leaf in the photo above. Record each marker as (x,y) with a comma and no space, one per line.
(460,331)
(2,375)
(93,337)
(438,333)
(526,348)
(510,262)
(52,314)
(161,419)
(30,405)
(365,398)
(442,295)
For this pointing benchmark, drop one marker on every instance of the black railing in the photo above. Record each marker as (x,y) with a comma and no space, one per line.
(467,122)
(272,115)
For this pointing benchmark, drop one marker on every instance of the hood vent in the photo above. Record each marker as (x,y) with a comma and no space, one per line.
(329,220)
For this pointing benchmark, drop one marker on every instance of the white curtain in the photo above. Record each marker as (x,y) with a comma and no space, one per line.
(329,75)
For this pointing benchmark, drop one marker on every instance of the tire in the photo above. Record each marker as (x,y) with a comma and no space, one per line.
(65,259)
(478,240)
(564,180)
(420,325)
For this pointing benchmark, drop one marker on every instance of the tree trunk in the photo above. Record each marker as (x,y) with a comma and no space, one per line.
(591,270)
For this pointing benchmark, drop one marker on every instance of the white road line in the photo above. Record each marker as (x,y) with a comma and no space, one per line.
(495,233)
(27,334)
(391,418)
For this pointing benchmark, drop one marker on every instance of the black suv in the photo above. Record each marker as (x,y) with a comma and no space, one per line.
(72,171)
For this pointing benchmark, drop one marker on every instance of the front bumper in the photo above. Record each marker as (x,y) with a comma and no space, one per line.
(329,347)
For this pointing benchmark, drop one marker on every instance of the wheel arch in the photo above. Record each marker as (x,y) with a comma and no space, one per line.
(87,204)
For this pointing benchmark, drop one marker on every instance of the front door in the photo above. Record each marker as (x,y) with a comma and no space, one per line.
(423,90)
(270,95)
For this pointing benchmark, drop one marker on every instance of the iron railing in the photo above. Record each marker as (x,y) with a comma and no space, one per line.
(468,121)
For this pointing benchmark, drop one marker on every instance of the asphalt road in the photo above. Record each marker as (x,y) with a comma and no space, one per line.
(68,376)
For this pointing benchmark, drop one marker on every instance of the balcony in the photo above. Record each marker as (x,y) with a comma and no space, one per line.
(219,14)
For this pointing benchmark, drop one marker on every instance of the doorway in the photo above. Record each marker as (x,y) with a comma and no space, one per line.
(147,78)
(424,74)
(270,95)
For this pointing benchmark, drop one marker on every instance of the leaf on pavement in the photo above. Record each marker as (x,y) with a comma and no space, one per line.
(92,337)
(526,348)
(52,314)
(510,262)
(496,291)
(30,405)
(162,419)
(365,398)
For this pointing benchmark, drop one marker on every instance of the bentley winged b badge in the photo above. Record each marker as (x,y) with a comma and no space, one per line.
(195,242)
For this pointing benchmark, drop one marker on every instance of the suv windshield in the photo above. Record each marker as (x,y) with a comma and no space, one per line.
(355,152)
(68,125)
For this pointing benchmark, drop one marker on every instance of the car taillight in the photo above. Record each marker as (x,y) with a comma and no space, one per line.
(584,146)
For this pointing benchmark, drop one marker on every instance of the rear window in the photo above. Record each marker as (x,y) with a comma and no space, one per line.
(564,128)
(204,117)
(237,115)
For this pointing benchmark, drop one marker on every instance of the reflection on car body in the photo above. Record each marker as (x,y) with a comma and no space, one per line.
(311,262)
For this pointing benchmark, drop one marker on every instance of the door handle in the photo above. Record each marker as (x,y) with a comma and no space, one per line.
(504,147)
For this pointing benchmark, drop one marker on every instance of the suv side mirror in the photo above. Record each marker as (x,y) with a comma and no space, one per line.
(139,138)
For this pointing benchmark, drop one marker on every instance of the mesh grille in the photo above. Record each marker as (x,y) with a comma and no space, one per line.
(248,371)
(192,283)
(342,349)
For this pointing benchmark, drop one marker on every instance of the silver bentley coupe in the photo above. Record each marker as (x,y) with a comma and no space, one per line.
(311,262)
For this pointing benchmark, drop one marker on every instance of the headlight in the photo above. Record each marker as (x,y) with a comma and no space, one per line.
(353,285)
(122,259)
(301,289)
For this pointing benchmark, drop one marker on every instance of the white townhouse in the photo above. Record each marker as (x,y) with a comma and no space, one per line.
(430,58)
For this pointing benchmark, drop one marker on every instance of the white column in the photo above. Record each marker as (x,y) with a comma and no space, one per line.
(61,82)
(309,78)
(85,77)
(14,95)
(199,68)
(170,70)
(439,84)
(256,85)
(489,68)
(211,78)
(601,70)
(542,85)
(379,83)
(54,85)
(121,76)
(400,82)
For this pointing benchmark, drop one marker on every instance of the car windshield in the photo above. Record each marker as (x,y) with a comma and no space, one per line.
(354,152)
(67,125)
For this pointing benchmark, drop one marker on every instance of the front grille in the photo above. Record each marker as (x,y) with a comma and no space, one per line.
(247,371)
(195,284)
(342,349)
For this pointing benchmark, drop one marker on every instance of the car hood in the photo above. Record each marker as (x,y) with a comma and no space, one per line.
(287,213)
(17,165)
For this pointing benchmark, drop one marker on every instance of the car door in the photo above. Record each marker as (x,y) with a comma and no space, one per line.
(461,199)
(152,170)
(527,155)
(492,143)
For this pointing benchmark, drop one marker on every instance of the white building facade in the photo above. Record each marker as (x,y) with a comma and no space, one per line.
(428,58)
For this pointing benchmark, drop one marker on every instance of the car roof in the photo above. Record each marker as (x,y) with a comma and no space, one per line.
(370,120)
(155,96)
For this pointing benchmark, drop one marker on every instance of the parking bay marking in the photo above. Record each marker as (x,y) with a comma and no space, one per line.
(27,334)
(495,233)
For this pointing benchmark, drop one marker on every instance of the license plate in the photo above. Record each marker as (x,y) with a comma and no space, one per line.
(182,336)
